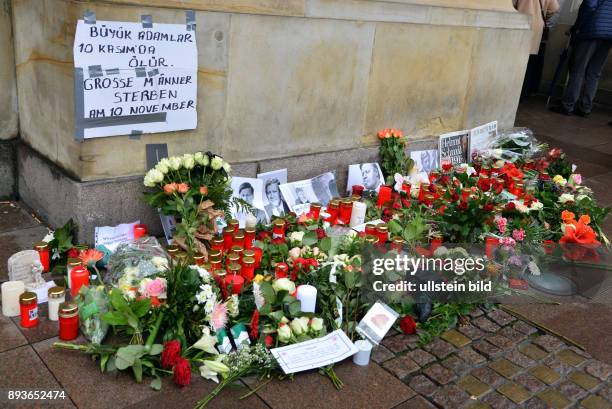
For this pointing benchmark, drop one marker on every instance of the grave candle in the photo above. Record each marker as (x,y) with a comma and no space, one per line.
(68,321)
(238,238)
(79,276)
(228,237)
(218,244)
(281,270)
(364,349)
(278,230)
(28,307)
(249,237)
(56,295)
(382,231)
(346,208)
(43,251)
(258,255)
(11,290)
(234,279)
(491,244)
(315,210)
(72,263)
(198,258)
(250,222)
(358,214)
(357,190)
(307,295)
(140,230)
(248,268)
(384,195)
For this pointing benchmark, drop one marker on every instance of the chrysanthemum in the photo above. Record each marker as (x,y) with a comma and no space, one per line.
(219,316)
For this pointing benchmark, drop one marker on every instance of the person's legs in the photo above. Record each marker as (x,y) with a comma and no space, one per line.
(592,74)
(580,56)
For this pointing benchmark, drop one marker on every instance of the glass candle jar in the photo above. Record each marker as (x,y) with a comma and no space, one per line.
(370,229)
(397,243)
(248,253)
(258,255)
(228,238)
(70,264)
(231,259)
(28,307)
(238,238)
(346,208)
(234,280)
(371,239)
(198,258)
(281,270)
(235,224)
(11,290)
(491,244)
(56,295)
(406,187)
(249,237)
(79,276)
(218,243)
(140,230)
(43,252)
(215,253)
(219,276)
(278,229)
(68,321)
(172,249)
(435,242)
(423,189)
(215,262)
(238,250)
(333,208)
(384,195)
(181,257)
(382,231)
(315,210)
(248,268)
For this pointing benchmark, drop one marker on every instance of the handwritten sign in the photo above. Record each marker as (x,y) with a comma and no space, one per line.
(130,79)
(482,137)
(453,147)
(112,237)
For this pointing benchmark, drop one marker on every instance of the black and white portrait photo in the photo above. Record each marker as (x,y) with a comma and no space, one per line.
(251,191)
(274,205)
(325,187)
(368,175)
(425,161)
(297,194)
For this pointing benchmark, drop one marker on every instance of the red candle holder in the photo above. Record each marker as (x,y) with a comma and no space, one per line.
(315,210)
(199,258)
(384,195)
(357,190)
(281,270)
(397,244)
(278,229)
(258,255)
(249,237)
(79,276)
(248,268)
(333,208)
(491,244)
(370,229)
(43,252)
(218,243)
(234,281)
(382,232)
(238,239)
(346,209)
(435,242)
(28,308)
(140,230)
(219,276)
(228,238)
(406,187)
(423,190)
(231,258)
(68,321)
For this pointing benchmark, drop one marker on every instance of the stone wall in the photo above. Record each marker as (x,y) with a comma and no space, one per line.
(8,96)
(285,78)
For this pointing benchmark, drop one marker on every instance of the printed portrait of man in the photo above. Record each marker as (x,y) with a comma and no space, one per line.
(247,193)
(371,176)
(276,206)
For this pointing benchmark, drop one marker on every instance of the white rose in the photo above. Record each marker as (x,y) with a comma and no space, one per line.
(162,167)
(198,157)
(174,163)
(316,324)
(48,237)
(226,167)
(299,326)
(296,236)
(566,197)
(216,163)
(188,161)
(284,333)
(294,253)
(156,175)
(202,159)
(283,284)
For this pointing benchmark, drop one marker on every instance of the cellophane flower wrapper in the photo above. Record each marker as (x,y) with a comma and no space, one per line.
(93,303)
(141,258)
(512,144)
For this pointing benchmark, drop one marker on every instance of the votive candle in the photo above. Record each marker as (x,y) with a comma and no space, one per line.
(11,290)
(307,295)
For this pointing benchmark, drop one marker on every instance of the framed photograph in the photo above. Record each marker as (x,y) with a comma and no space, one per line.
(453,147)
(482,137)
(368,175)
(325,187)
(299,194)
(251,191)
(274,204)
(426,161)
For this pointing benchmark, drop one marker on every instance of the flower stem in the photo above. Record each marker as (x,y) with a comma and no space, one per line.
(153,333)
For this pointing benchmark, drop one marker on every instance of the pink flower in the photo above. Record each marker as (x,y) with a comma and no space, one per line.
(508,242)
(501,224)
(294,253)
(515,260)
(170,188)
(219,316)
(577,178)
(518,234)
(183,188)
(155,288)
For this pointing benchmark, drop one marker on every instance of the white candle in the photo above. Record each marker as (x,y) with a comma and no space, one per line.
(250,221)
(11,290)
(364,349)
(358,214)
(307,294)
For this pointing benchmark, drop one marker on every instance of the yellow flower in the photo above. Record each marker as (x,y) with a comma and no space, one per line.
(258,278)
(559,180)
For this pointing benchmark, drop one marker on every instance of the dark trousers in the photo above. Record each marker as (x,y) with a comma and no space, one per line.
(533,74)
(586,63)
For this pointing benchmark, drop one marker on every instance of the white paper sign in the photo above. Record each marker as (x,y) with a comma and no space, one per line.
(134,78)
(333,347)
(481,137)
(377,322)
(112,237)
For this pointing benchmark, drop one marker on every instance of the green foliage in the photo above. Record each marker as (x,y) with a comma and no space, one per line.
(127,317)
(393,158)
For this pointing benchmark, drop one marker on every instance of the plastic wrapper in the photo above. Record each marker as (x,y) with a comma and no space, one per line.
(511,145)
(93,303)
(136,260)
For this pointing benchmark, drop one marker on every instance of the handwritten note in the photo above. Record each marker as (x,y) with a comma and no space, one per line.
(112,237)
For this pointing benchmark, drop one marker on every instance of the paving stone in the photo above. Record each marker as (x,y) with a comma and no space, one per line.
(545,374)
(523,327)
(470,356)
(44,330)
(15,217)
(554,399)
(595,402)
(487,375)
(470,331)
(529,382)
(400,343)
(606,393)
(476,312)
(440,374)
(450,397)
(423,385)
(512,334)
(10,336)
(599,370)
(498,401)
(519,359)
(500,341)
(533,352)
(535,403)
(456,364)
(17,240)
(401,366)
(570,357)
(456,338)
(558,366)
(549,343)
(580,352)
(422,358)
(418,402)
(381,354)
(514,392)
(585,381)
(501,317)
(571,390)
(440,348)
(486,324)
(478,405)
(487,349)
(473,386)
(505,368)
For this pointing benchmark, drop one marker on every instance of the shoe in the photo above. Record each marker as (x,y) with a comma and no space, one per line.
(581,113)
(560,109)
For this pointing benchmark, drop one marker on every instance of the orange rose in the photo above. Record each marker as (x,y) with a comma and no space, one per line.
(203,190)
(183,188)
(568,216)
(585,218)
(170,188)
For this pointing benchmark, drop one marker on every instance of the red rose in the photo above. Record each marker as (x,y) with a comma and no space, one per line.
(170,354)
(446,166)
(182,372)
(73,253)
(463,206)
(454,197)
(278,240)
(269,340)
(488,207)
(255,325)
(407,325)
(320,233)
(510,206)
